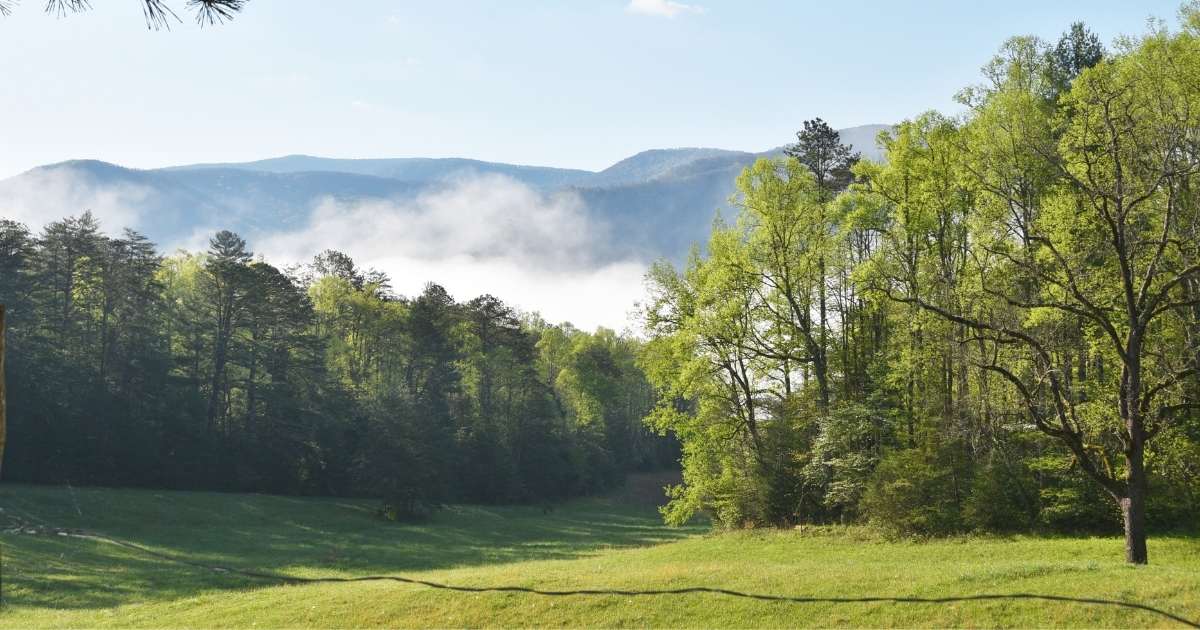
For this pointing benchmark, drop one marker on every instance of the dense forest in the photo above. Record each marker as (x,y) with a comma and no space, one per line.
(214,370)
(997,327)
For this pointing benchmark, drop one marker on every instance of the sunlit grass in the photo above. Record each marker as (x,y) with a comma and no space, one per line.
(55,581)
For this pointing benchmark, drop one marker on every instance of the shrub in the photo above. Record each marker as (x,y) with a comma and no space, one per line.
(1070,501)
(841,460)
(406,507)
(1003,497)
(917,491)
(1174,463)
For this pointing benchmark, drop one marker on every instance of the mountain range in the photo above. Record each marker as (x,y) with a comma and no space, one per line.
(653,204)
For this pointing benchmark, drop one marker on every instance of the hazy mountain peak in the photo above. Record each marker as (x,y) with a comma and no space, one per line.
(655,203)
(407,169)
(656,163)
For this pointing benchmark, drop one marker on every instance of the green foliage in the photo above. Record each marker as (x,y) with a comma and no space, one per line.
(1003,496)
(1069,502)
(918,492)
(1077,50)
(1008,307)
(842,457)
(216,371)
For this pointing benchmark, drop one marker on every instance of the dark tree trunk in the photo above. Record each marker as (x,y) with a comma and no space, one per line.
(214,394)
(821,362)
(220,354)
(821,371)
(1133,504)
(1133,508)
(252,387)
(3,410)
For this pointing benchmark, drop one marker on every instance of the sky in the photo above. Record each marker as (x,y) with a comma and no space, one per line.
(572,83)
(568,83)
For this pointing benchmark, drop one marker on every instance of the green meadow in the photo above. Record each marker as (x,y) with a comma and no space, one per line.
(182,569)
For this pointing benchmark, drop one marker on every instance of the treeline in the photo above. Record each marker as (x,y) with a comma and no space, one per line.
(218,371)
(996,328)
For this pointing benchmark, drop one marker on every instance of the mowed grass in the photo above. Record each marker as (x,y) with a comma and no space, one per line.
(59,581)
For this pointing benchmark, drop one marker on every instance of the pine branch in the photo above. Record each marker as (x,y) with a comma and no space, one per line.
(61,8)
(158,13)
(215,11)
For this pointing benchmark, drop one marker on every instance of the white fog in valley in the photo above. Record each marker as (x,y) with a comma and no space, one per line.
(42,196)
(538,252)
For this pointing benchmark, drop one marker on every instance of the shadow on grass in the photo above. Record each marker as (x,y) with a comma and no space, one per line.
(758,596)
(99,548)
(287,536)
(240,575)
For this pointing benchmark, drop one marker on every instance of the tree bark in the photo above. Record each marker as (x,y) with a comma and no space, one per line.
(252,386)
(821,361)
(1133,505)
(224,331)
(214,394)
(3,410)
(1133,508)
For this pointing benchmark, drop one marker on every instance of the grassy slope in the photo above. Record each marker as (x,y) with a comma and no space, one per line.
(60,581)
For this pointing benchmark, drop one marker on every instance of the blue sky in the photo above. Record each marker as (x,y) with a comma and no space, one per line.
(578,83)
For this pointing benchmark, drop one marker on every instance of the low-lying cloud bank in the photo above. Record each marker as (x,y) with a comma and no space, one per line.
(481,234)
(45,195)
(492,234)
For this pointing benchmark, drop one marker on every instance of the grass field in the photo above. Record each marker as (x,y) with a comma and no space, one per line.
(52,580)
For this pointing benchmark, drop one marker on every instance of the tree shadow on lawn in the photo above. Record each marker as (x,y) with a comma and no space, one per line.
(234,578)
(267,540)
(277,535)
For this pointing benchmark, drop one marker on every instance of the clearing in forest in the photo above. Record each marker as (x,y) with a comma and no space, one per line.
(610,546)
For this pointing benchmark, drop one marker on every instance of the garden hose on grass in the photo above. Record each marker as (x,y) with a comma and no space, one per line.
(21,526)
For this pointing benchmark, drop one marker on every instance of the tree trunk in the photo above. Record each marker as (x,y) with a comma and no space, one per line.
(214,394)
(220,356)
(1133,508)
(821,371)
(3,410)
(252,387)
(1133,504)
(822,361)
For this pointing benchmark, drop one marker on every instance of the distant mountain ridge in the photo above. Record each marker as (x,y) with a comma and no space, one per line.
(638,168)
(655,203)
(404,169)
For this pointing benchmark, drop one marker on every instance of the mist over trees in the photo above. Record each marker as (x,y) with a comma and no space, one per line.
(215,370)
(996,328)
